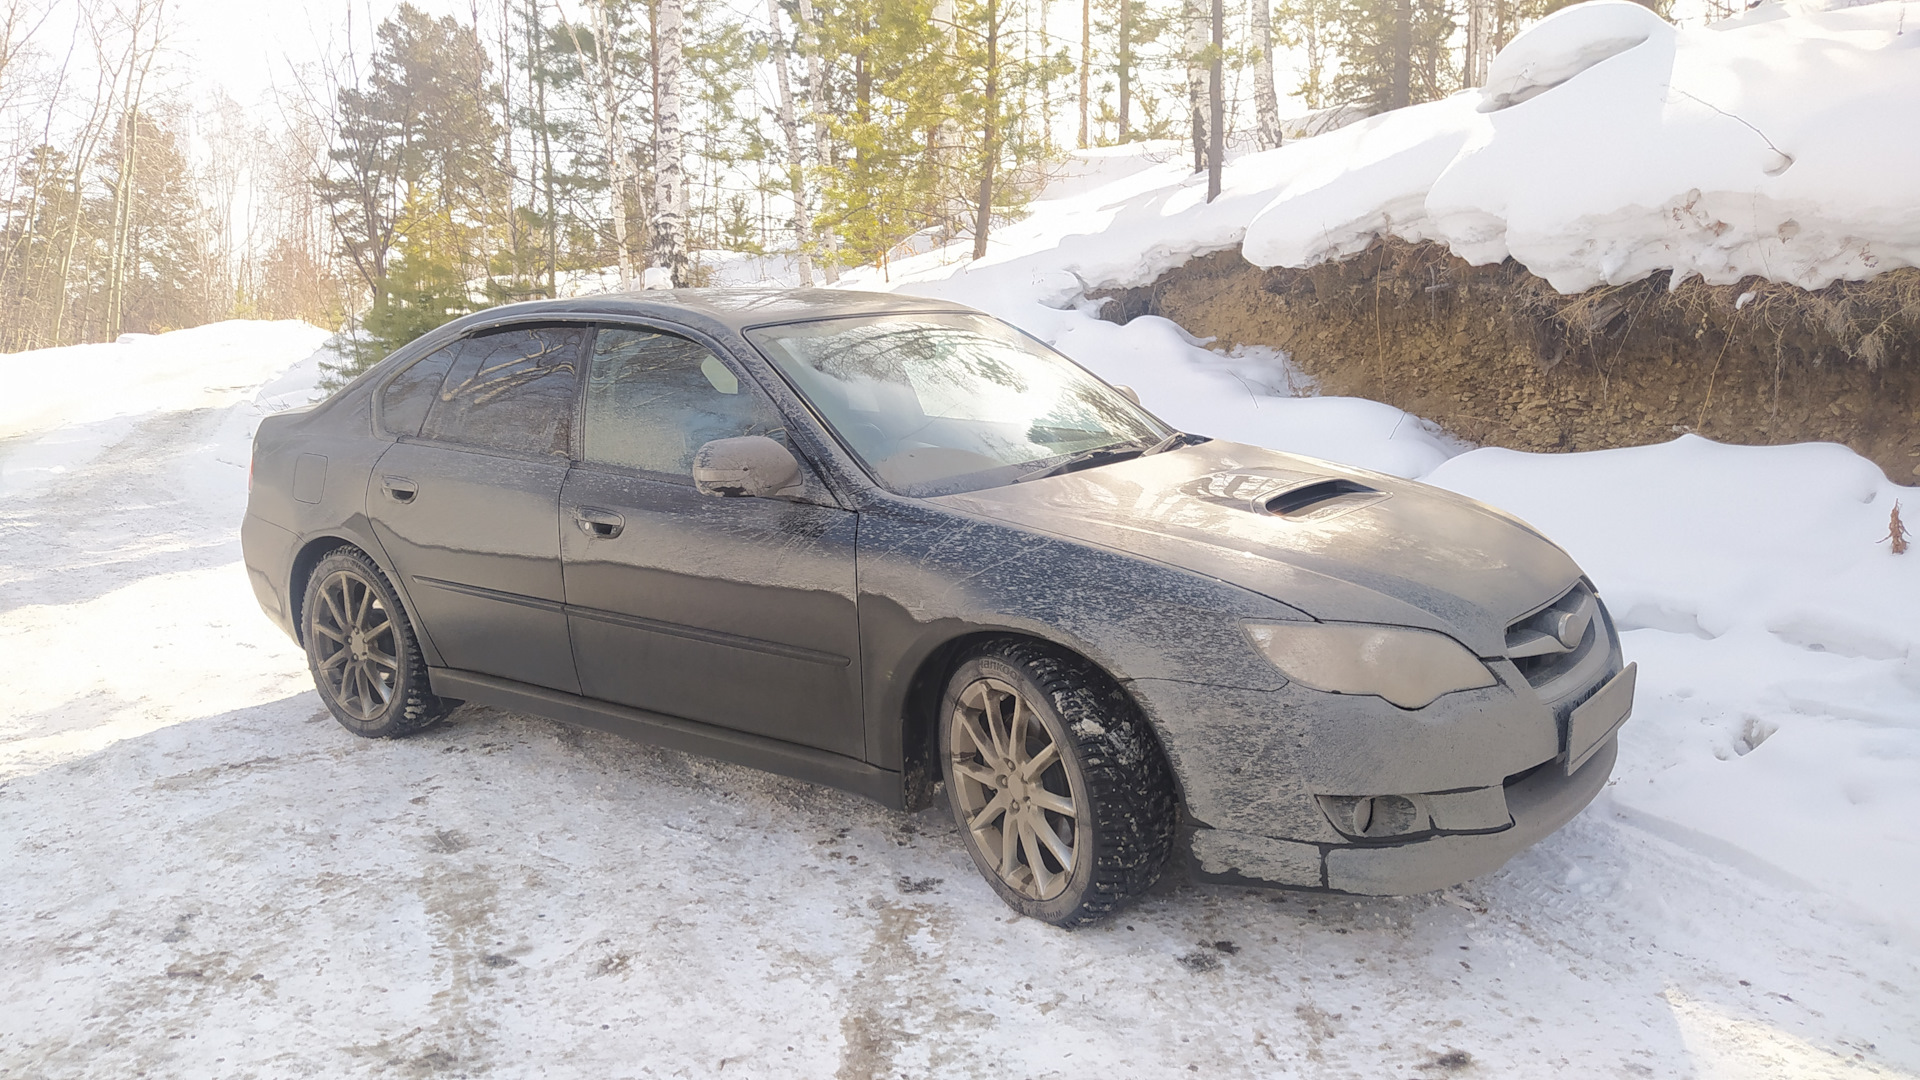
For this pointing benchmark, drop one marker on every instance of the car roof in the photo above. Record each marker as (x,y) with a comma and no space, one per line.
(732,309)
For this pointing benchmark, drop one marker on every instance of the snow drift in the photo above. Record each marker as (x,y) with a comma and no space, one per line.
(1607,145)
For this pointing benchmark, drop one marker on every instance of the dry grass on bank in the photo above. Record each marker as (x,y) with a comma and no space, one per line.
(1499,357)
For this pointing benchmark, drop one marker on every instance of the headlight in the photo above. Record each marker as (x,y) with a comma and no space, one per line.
(1407,667)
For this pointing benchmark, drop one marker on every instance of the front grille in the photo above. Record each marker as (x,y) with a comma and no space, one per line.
(1553,641)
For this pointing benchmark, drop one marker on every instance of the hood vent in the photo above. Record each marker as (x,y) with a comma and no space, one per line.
(1321,499)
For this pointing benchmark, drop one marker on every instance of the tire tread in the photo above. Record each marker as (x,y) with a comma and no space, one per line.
(1129,784)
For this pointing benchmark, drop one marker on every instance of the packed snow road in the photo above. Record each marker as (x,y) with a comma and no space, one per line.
(202,875)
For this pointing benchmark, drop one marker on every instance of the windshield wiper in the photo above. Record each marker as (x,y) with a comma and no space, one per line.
(1177,439)
(1085,459)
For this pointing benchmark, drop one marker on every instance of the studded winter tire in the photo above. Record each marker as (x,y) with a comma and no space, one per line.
(1060,790)
(361,650)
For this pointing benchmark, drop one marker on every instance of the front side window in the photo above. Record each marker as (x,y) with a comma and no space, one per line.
(934,404)
(654,399)
(510,390)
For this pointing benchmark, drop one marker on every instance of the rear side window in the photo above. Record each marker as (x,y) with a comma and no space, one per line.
(403,404)
(653,399)
(510,390)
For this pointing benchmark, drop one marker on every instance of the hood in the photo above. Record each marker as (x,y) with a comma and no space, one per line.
(1334,542)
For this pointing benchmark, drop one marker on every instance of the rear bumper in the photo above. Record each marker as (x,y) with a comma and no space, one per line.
(268,551)
(1538,802)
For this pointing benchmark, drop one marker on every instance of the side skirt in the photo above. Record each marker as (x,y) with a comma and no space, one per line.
(771,755)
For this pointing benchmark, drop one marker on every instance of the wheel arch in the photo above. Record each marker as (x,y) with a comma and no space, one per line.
(920,706)
(317,547)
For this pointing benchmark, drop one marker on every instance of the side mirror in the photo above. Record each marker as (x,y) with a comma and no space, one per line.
(1127,392)
(747,465)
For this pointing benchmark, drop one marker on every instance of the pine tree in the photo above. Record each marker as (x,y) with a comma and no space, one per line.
(1394,53)
(1136,31)
(156,281)
(417,153)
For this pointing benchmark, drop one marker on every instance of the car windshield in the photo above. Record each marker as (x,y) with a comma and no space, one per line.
(935,404)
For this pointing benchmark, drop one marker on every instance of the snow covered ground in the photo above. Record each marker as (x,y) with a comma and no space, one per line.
(205,876)
(202,875)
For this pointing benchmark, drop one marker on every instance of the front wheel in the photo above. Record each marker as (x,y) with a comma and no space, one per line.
(361,650)
(1060,790)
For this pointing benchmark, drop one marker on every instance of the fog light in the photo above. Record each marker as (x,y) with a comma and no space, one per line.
(1374,816)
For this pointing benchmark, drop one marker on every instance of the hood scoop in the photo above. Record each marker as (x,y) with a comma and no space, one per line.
(1295,496)
(1321,499)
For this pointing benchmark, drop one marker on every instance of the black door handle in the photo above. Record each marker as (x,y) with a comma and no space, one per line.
(599,524)
(399,488)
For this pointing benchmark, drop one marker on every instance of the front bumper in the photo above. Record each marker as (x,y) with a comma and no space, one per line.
(1290,787)
(1539,801)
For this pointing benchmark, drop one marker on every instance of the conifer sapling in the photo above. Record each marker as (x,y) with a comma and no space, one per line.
(1896,532)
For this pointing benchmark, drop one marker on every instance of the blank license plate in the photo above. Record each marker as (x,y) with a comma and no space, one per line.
(1599,716)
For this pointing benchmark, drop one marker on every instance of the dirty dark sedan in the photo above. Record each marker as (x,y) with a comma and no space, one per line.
(896,546)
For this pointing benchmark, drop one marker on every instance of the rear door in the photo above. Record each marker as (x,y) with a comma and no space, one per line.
(737,612)
(466,503)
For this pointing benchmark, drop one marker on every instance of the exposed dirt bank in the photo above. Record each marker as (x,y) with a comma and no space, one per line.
(1496,356)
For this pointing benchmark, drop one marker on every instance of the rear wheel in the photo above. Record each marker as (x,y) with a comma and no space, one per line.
(1060,790)
(361,650)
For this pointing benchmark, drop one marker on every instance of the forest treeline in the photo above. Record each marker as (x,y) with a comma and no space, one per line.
(535,147)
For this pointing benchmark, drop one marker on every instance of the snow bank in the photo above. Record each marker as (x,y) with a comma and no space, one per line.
(1779,645)
(1608,145)
(1784,143)
(63,406)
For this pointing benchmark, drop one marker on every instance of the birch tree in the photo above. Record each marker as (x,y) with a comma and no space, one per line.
(669,182)
(796,185)
(1195,23)
(1086,66)
(603,103)
(1266,103)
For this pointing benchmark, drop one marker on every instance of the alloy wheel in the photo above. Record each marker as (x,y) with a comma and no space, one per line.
(355,647)
(1019,802)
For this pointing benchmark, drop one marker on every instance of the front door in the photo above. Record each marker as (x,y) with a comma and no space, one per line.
(737,612)
(468,509)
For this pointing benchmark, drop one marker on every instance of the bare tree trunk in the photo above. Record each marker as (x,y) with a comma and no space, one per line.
(990,144)
(1402,55)
(120,234)
(1086,66)
(1480,20)
(545,152)
(802,220)
(669,180)
(1126,70)
(515,241)
(1216,103)
(607,117)
(1266,103)
(1194,19)
(822,144)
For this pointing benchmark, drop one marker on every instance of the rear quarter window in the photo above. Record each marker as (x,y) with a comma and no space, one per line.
(408,395)
(510,390)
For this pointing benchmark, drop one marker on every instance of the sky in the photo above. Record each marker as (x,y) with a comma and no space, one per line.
(250,47)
